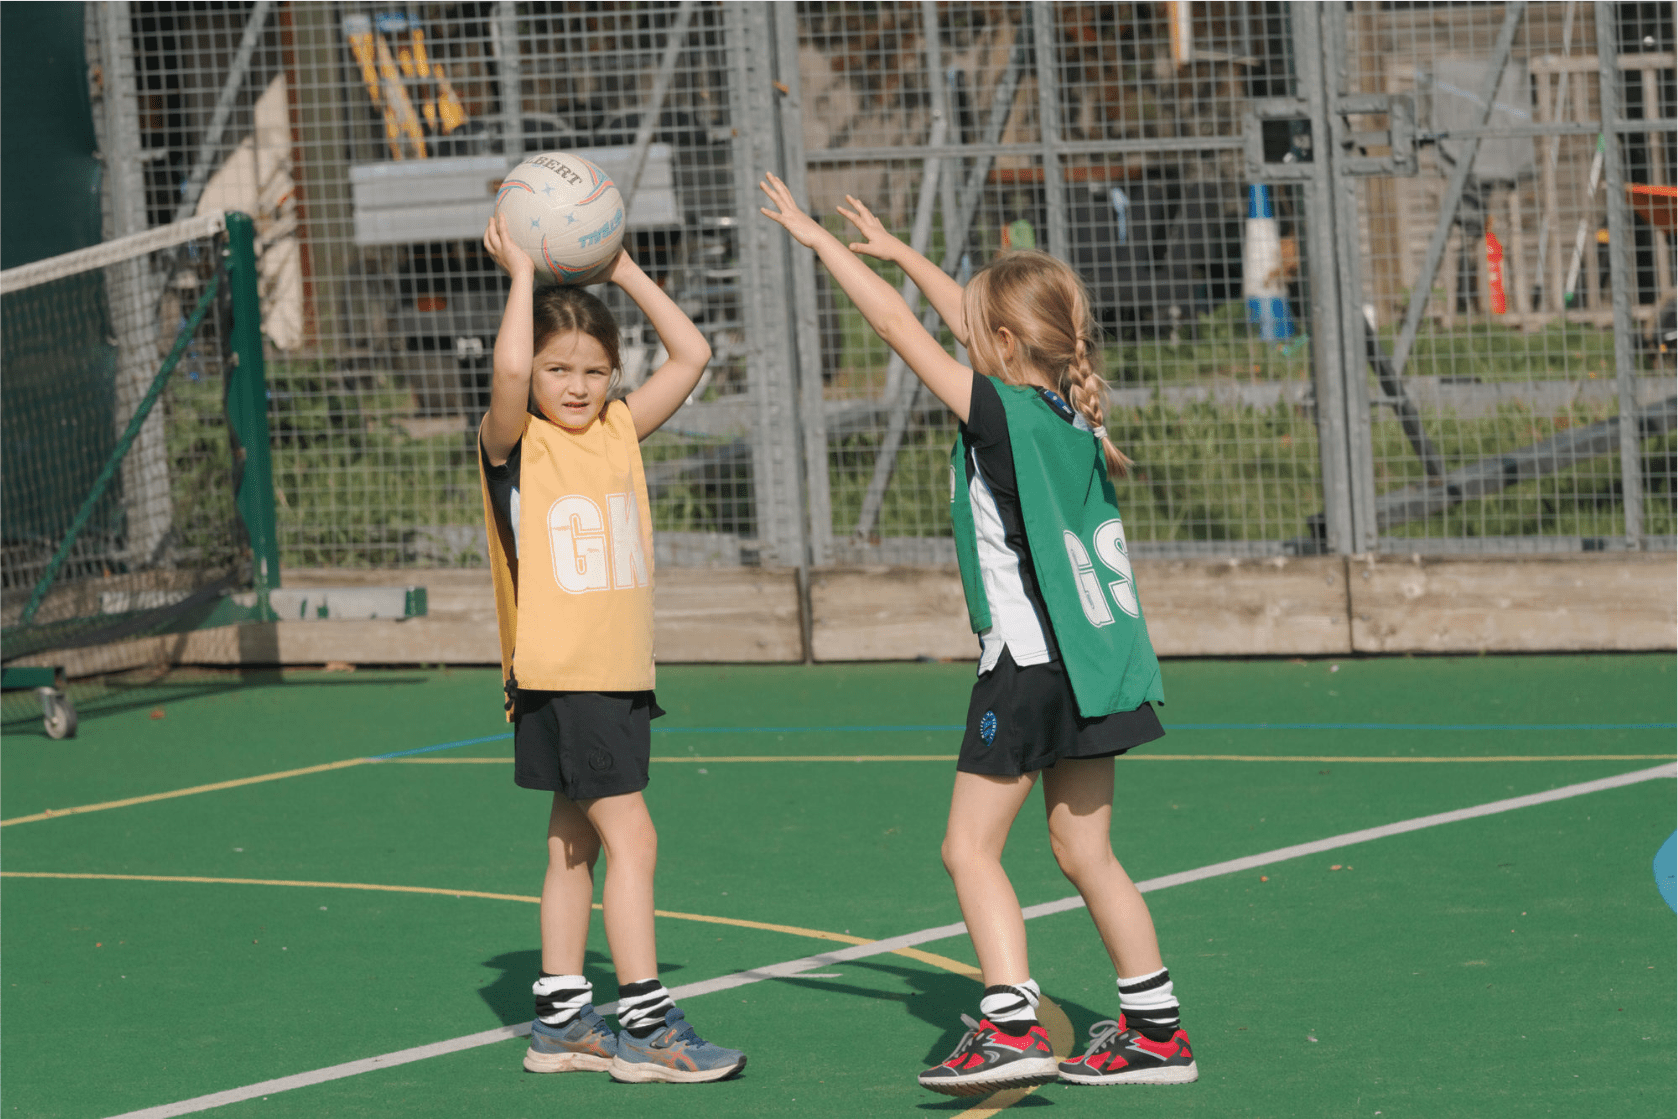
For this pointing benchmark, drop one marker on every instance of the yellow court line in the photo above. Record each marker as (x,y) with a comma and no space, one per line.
(440,891)
(1058,1026)
(54,813)
(1389,760)
(706,760)
(274,882)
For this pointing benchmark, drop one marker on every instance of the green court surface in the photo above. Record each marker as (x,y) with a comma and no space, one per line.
(173,929)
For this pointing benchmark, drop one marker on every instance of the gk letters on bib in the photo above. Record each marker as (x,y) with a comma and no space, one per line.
(574,579)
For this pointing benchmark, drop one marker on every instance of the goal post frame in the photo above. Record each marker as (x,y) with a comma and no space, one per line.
(247,407)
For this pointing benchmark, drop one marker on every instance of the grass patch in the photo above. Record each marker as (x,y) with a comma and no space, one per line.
(1486,351)
(353,488)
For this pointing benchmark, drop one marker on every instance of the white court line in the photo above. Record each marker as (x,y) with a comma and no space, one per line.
(891,944)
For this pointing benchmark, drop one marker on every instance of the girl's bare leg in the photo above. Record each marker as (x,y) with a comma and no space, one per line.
(982,809)
(568,888)
(631,844)
(1078,794)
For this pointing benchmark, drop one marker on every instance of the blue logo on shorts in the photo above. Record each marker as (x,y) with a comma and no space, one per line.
(987,727)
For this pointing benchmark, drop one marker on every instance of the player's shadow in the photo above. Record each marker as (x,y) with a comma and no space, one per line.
(938,998)
(508,994)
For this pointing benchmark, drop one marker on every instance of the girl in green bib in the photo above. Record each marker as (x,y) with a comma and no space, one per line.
(1066,671)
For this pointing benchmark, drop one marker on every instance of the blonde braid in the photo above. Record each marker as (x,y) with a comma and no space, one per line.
(1087,392)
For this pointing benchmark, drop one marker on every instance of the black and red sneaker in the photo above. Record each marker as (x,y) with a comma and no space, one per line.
(988,1060)
(1124,1056)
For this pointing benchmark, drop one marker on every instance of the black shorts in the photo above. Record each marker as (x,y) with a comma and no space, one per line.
(583,745)
(1021,720)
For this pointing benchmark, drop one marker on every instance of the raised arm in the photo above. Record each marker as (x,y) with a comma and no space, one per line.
(657,399)
(509,388)
(891,318)
(940,290)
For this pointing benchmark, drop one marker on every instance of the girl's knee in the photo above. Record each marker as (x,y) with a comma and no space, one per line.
(635,844)
(961,853)
(1081,856)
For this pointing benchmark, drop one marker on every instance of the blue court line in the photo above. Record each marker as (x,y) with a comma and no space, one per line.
(1168,726)
(439,746)
(1197,726)
(1421,726)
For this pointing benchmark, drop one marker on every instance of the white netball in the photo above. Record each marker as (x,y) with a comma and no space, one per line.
(566,214)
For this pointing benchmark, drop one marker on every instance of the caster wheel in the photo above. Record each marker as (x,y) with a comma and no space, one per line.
(58,714)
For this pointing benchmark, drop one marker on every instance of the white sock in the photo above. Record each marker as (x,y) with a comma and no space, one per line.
(1148,1002)
(560,998)
(1009,1003)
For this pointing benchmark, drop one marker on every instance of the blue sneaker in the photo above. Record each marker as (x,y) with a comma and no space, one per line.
(585,1044)
(673,1054)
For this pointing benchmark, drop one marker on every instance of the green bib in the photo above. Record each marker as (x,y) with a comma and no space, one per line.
(1077,544)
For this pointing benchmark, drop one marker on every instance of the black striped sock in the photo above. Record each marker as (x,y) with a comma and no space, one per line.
(1011,1008)
(560,998)
(1150,1006)
(642,1006)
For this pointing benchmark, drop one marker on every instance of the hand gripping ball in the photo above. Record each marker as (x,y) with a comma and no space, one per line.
(566,214)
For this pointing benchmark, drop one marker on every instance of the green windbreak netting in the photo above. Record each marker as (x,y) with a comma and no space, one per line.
(118,515)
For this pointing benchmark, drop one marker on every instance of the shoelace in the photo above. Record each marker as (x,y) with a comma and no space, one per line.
(965,1045)
(1102,1034)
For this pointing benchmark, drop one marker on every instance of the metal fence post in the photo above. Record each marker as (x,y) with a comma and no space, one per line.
(1044,41)
(807,331)
(1323,261)
(247,406)
(1342,201)
(776,481)
(132,288)
(1619,273)
(510,74)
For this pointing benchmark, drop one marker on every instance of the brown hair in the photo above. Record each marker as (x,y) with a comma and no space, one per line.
(560,310)
(1042,301)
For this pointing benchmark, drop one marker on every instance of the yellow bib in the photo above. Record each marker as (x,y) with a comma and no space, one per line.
(574,597)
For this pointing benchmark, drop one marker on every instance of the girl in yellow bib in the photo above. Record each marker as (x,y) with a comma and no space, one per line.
(571,551)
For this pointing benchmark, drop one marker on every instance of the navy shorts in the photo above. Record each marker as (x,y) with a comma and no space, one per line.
(1021,720)
(583,745)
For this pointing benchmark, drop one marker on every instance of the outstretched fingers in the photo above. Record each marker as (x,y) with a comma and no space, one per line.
(876,238)
(780,196)
(787,213)
(863,217)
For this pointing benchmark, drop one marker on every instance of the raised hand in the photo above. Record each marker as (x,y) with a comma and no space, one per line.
(877,241)
(804,229)
(499,244)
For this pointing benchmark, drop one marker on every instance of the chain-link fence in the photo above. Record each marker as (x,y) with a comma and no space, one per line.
(1488,276)
(1366,282)
(1109,135)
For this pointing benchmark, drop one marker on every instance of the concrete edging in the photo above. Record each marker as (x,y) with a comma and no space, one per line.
(1281,606)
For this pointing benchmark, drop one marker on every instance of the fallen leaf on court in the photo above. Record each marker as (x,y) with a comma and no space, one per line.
(1264,878)
(338,666)
(157,712)
(1336,866)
